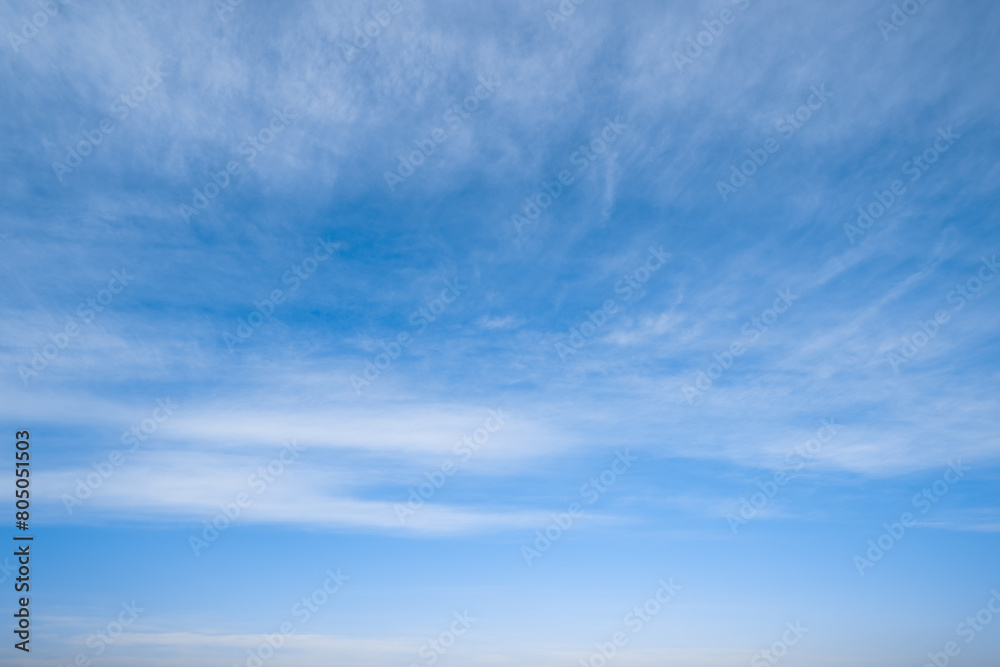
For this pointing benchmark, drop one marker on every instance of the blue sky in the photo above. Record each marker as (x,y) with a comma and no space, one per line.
(482,329)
